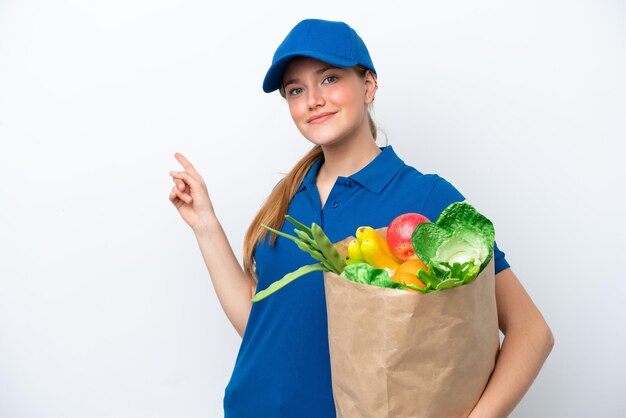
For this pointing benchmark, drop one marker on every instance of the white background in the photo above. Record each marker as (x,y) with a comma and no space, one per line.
(106,308)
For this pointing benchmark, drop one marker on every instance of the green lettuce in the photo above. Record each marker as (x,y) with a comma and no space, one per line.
(366,274)
(455,248)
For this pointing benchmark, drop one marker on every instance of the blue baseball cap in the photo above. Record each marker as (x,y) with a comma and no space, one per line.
(335,43)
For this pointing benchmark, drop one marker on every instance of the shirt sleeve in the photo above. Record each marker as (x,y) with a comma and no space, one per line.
(441,196)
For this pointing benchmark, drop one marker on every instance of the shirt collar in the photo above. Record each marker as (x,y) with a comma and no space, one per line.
(374,176)
(309,178)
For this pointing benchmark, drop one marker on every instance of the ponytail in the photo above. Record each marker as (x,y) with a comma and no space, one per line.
(273,211)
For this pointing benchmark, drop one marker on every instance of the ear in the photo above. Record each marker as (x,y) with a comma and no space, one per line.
(371,86)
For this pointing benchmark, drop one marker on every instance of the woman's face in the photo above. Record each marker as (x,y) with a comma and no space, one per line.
(327,104)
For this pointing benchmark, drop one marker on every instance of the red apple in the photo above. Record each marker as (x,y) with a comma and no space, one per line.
(399,234)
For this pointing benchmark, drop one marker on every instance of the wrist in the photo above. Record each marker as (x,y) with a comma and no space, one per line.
(206,226)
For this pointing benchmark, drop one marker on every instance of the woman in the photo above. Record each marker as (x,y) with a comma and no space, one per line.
(324,71)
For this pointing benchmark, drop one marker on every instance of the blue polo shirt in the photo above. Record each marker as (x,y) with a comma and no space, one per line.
(283,365)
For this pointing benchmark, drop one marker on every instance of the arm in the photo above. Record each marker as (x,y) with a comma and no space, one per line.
(527,343)
(233,287)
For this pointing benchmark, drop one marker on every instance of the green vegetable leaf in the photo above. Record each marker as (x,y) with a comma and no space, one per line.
(418,288)
(466,272)
(366,274)
(449,284)
(437,273)
(459,234)
(287,278)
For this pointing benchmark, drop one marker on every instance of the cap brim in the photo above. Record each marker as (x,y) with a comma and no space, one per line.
(274,76)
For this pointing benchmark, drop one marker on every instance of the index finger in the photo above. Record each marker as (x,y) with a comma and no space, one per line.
(185,162)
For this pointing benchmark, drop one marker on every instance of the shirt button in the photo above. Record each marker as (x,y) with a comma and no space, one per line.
(335,204)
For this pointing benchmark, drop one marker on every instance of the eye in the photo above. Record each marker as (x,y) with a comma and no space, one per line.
(295,91)
(330,79)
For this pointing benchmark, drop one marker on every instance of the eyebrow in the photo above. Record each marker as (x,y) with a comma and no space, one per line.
(320,71)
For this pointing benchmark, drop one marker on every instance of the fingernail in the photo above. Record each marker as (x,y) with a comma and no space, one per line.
(181,186)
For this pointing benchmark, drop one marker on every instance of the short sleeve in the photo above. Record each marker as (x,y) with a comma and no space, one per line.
(441,196)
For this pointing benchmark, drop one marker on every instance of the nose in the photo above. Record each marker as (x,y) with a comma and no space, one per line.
(315,97)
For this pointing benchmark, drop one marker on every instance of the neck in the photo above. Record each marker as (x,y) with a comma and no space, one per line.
(347,158)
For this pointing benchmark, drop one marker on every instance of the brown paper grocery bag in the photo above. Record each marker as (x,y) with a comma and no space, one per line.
(402,354)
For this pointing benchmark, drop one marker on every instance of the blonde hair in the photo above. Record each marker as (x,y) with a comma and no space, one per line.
(274,209)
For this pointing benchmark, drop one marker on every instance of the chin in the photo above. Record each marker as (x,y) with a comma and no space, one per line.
(319,138)
(325,141)
(325,138)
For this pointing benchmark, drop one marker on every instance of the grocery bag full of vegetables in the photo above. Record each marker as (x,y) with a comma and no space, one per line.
(408,348)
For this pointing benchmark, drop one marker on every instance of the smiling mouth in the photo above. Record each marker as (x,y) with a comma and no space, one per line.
(321,117)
